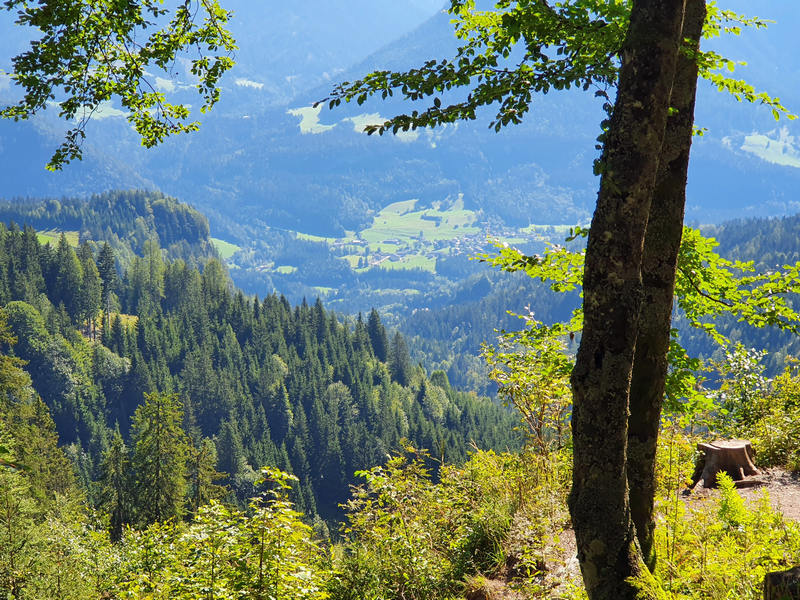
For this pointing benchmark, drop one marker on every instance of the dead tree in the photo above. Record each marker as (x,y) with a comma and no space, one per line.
(735,457)
(782,585)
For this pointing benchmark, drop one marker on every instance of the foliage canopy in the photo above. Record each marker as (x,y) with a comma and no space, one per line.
(88,52)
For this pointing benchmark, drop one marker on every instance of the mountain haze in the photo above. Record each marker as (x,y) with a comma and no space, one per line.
(265,162)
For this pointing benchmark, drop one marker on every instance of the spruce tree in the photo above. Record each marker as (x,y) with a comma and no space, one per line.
(90,293)
(107,270)
(68,279)
(116,494)
(400,360)
(159,458)
(116,337)
(231,459)
(377,336)
(202,474)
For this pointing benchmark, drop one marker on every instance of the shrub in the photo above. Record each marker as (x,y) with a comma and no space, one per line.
(409,537)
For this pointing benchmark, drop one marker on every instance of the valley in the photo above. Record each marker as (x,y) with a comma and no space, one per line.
(404,235)
(279,358)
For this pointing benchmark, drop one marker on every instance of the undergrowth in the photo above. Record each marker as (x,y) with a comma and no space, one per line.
(718,546)
(503,518)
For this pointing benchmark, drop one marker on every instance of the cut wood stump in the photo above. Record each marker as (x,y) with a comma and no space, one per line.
(782,585)
(735,457)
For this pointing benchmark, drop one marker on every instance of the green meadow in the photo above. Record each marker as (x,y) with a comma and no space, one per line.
(405,235)
(52,236)
(225,249)
(402,222)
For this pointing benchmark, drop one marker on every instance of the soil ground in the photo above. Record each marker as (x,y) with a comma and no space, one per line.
(783,488)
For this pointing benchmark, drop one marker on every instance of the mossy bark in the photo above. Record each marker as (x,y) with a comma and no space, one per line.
(607,548)
(659,263)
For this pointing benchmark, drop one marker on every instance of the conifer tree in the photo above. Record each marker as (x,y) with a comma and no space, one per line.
(107,270)
(159,458)
(231,459)
(68,279)
(202,475)
(90,293)
(280,413)
(360,336)
(400,360)
(116,337)
(17,530)
(377,336)
(116,494)
(30,266)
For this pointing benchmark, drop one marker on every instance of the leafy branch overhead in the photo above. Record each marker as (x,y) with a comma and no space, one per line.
(89,52)
(524,47)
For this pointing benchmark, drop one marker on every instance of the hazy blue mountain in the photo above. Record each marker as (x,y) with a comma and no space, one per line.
(289,47)
(264,157)
(265,162)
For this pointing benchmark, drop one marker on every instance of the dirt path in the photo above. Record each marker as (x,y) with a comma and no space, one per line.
(784,494)
(783,488)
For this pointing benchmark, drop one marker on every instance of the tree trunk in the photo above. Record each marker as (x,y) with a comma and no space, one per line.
(782,585)
(659,263)
(607,549)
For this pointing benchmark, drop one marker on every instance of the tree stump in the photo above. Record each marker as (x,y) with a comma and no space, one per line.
(782,585)
(735,457)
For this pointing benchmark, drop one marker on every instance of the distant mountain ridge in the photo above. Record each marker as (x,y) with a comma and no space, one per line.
(264,161)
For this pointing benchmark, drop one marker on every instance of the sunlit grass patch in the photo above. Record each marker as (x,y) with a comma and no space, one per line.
(309,237)
(52,236)
(410,262)
(225,249)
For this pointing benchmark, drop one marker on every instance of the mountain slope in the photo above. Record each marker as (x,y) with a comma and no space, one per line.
(266,383)
(262,164)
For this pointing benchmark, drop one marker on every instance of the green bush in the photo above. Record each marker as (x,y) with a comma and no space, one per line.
(776,434)
(408,537)
(267,553)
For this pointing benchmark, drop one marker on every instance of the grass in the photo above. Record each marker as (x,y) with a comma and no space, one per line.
(315,238)
(400,208)
(401,222)
(324,291)
(411,262)
(512,241)
(285,269)
(404,236)
(779,151)
(352,260)
(225,249)
(384,248)
(552,232)
(52,236)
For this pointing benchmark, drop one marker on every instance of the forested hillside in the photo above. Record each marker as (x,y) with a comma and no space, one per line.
(127,220)
(255,382)
(191,378)
(769,242)
(449,335)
